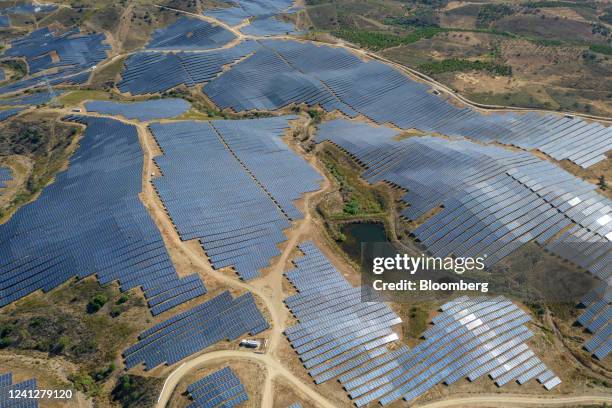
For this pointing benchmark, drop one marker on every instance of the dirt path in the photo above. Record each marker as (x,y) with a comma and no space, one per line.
(511,401)
(274,369)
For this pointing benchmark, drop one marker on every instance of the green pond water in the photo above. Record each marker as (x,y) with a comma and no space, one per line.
(356,233)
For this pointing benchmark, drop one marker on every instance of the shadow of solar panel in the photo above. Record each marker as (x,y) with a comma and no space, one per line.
(189,33)
(336,79)
(231,185)
(7,385)
(89,221)
(221,318)
(144,111)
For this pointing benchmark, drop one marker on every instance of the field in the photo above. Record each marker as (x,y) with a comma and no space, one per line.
(552,55)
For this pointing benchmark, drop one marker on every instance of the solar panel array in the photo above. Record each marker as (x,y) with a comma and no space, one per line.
(597,319)
(339,336)
(219,389)
(29,8)
(186,333)
(494,200)
(74,55)
(8,113)
(231,185)
(268,26)
(152,72)
(7,384)
(38,98)
(5,176)
(90,221)
(285,72)
(189,33)
(240,10)
(337,332)
(143,111)
(5,21)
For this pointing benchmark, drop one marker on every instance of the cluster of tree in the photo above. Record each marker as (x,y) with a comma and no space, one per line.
(458,64)
(379,41)
(489,13)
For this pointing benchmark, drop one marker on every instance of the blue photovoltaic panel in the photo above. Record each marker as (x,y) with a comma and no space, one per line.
(5,176)
(285,72)
(494,200)
(152,72)
(7,113)
(76,54)
(8,384)
(338,335)
(144,111)
(29,8)
(90,220)
(221,318)
(231,184)
(597,319)
(5,21)
(38,98)
(240,10)
(189,33)
(268,26)
(222,388)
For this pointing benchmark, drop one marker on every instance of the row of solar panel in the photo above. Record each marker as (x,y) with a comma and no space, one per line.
(37,98)
(338,336)
(7,385)
(74,54)
(597,319)
(189,33)
(285,72)
(5,176)
(494,200)
(240,10)
(102,228)
(151,72)
(238,226)
(222,388)
(221,318)
(143,111)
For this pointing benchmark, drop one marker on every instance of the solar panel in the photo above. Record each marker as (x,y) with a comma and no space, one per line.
(240,227)
(7,385)
(218,319)
(103,228)
(143,111)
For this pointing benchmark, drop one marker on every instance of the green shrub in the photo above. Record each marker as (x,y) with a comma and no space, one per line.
(492,12)
(96,303)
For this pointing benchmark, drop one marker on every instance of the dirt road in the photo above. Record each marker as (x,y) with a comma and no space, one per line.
(511,401)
